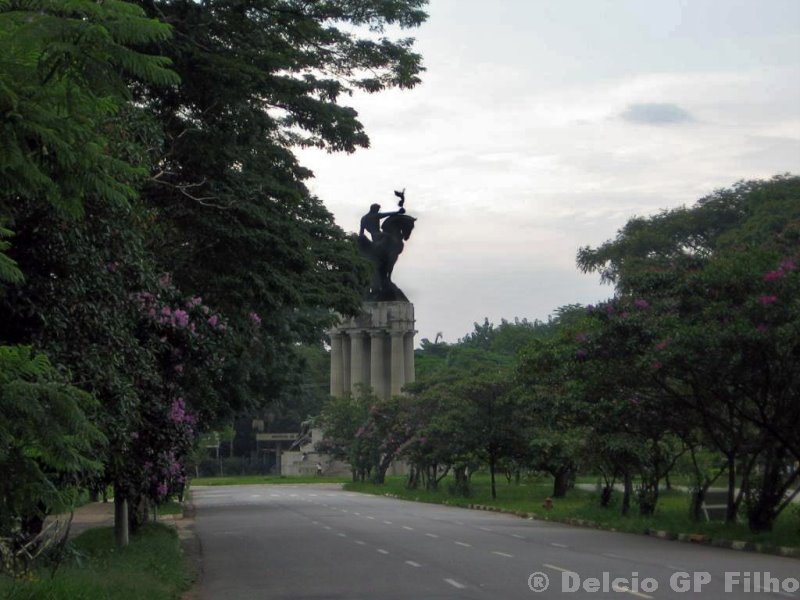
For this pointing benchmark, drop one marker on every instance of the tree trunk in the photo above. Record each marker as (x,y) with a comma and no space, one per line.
(733,508)
(696,504)
(626,496)
(492,461)
(561,479)
(120,518)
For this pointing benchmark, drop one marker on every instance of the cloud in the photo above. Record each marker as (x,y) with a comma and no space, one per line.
(656,114)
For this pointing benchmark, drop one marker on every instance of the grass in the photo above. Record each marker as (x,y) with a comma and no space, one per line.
(262,479)
(170,508)
(152,567)
(672,513)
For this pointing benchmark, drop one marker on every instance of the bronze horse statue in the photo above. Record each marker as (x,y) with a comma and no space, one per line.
(383,249)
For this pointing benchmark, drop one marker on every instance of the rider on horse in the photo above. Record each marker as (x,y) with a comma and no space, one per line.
(385,246)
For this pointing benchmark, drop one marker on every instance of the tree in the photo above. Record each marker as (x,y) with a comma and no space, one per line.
(718,282)
(235,220)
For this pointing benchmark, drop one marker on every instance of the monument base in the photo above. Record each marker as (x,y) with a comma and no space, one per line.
(374,350)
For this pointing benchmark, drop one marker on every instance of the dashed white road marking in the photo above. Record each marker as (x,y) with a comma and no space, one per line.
(557,545)
(432,535)
(455,584)
(484,528)
(413,564)
(622,588)
(357,514)
(274,496)
(360,543)
(518,536)
(407,528)
(503,554)
(458,522)
(382,551)
(373,518)
(255,495)
(465,544)
(388,522)
(557,568)
(328,527)
(315,522)
(342,535)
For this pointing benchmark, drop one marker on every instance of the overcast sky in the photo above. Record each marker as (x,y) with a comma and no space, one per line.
(544,125)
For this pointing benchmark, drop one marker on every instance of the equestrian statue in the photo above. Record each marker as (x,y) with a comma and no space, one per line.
(383,246)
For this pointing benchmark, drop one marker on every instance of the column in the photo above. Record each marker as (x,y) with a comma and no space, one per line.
(376,365)
(408,346)
(346,387)
(337,365)
(356,360)
(398,362)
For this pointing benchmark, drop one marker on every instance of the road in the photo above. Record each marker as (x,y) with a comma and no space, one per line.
(314,542)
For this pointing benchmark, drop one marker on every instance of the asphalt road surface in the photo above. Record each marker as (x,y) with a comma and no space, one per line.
(314,542)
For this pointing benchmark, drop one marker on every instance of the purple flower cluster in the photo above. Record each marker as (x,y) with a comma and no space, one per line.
(178,413)
(254,318)
(786,266)
(767,300)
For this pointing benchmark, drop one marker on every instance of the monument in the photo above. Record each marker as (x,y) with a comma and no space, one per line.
(376,348)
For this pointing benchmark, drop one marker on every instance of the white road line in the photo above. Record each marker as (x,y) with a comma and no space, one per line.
(382,551)
(518,536)
(465,544)
(557,568)
(622,588)
(458,522)
(388,522)
(484,528)
(345,510)
(407,528)
(455,584)
(413,564)
(342,535)
(360,543)
(558,545)
(432,535)
(357,514)
(315,522)
(313,495)
(373,518)
(328,527)
(255,495)
(612,555)
(502,554)
(274,496)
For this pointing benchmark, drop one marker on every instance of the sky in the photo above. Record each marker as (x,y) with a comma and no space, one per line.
(542,126)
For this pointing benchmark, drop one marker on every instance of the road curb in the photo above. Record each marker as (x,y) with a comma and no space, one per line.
(192,549)
(662,534)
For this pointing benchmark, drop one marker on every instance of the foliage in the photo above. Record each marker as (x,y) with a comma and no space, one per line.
(47,440)
(64,71)
(707,305)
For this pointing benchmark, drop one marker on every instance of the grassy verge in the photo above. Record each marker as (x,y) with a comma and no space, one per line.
(271,479)
(672,514)
(151,567)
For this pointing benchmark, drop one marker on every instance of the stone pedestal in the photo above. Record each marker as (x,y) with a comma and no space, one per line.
(375,349)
